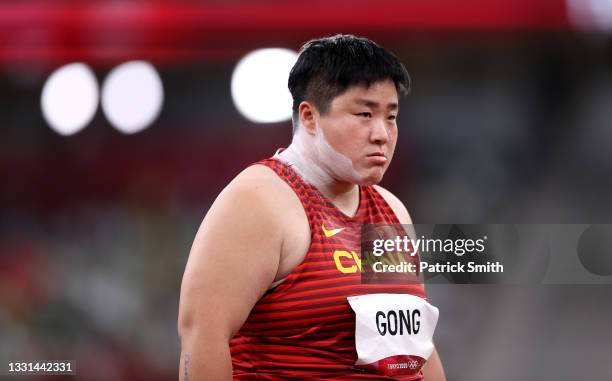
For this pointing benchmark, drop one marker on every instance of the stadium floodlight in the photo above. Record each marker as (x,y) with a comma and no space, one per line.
(259,85)
(591,14)
(69,98)
(132,96)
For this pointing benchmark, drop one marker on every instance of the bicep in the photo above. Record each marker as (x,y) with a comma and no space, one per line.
(233,260)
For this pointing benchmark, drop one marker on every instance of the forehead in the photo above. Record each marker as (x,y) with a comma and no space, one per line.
(383,93)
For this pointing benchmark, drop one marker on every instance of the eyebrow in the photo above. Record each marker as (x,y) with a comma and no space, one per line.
(372,104)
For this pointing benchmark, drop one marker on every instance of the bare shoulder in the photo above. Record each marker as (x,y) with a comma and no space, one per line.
(398,207)
(259,201)
(257,179)
(262,184)
(248,195)
(256,199)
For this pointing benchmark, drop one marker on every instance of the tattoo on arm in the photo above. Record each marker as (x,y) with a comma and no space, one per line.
(186,366)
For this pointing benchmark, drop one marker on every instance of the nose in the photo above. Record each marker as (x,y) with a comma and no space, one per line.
(379,134)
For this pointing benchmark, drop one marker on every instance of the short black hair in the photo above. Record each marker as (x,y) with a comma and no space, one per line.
(327,67)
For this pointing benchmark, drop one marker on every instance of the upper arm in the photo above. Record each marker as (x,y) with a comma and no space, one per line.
(233,259)
(433,370)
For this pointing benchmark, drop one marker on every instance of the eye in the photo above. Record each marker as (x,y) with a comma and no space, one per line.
(392,117)
(365,114)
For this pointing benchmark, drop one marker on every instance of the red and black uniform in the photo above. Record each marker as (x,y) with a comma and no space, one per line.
(304,327)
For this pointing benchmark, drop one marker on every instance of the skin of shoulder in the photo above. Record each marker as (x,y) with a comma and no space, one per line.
(236,253)
(398,207)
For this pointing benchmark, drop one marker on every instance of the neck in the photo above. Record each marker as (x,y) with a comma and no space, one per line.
(306,157)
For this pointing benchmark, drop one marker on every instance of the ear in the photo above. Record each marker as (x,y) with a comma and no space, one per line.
(309,116)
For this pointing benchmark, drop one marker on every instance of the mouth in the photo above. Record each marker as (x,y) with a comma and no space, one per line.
(377,158)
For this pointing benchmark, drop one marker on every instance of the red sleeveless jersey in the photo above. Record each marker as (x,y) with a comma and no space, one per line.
(304,328)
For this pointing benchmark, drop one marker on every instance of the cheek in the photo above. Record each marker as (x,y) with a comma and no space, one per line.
(392,138)
(393,130)
(391,144)
(345,139)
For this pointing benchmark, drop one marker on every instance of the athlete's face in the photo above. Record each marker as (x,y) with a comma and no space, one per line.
(360,131)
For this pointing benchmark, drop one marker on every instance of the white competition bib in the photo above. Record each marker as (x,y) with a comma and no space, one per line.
(393,332)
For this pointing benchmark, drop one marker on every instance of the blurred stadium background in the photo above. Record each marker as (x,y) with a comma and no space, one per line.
(509,121)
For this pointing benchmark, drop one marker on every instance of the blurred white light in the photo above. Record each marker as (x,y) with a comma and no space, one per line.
(132,96)
(69,98)
(259,85)
(602,11)
(591,14)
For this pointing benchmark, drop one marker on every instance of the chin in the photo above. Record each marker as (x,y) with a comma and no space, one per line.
(372,178)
